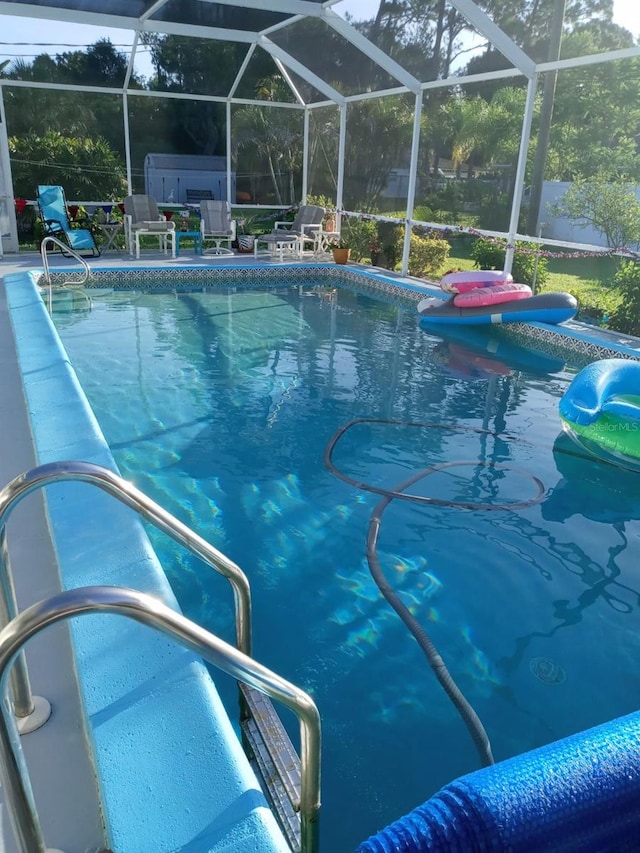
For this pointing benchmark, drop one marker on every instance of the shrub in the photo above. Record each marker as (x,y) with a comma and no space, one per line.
(449,199)
(328,204)
(427,255)
(597,301)
(86,167)
(389,240)
(358,235)
(626,317)
(321,201)
(494,217)
(423,213)
(489,255)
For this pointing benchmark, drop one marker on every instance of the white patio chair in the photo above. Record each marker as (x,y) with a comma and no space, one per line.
(141,216)
(292,236)
(216,224)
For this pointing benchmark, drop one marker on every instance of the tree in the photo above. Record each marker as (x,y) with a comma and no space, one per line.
(275,135)
(422,35)
(100,65)
(528,22)
(379,139)
(611,208)
(86,168)
(37,111)
(500,126)
(198,66)
(93,116)
(596,112)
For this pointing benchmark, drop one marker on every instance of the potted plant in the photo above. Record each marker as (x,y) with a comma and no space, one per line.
(375,249)
(245,240)
(341,250)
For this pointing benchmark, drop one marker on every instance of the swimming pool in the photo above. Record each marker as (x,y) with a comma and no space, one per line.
(220,406)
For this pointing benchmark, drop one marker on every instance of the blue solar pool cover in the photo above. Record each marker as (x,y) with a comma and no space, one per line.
(580,794)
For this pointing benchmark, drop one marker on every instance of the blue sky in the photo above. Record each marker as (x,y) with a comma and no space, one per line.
(55,37)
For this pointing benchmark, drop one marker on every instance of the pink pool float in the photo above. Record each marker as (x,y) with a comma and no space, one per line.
(492,295)
(462,282)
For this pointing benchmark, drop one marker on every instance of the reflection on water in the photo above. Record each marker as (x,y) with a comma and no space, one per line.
(591,487)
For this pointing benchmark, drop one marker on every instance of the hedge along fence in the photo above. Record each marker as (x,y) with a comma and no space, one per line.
(427,255)
(626,317)
(382,242)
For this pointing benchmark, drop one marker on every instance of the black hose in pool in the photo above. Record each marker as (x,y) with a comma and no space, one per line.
(437,664)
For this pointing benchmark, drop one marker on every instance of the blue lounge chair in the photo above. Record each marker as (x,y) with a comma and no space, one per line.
(53,210)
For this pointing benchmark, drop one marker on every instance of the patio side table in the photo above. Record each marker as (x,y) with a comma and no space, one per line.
(110,230)
(196,236)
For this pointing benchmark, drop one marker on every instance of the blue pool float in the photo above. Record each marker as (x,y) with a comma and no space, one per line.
(601,409)
(550,308)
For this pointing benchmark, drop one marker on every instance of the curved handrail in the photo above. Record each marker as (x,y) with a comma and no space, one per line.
(50,239)
(128,494)
(152,612)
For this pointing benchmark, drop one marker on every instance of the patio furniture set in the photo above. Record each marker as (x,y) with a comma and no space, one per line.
(142,218)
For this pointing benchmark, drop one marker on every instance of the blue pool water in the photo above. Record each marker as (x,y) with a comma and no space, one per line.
(220,406)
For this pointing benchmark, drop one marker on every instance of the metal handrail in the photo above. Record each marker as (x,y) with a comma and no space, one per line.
(49,239)
(128,494)
(149,611)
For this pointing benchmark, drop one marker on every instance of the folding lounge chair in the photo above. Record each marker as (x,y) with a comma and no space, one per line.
(216,224)
(53,211)
(141,216)
(304,229)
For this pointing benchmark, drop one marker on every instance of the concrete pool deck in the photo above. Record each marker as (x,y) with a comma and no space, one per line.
(62,774)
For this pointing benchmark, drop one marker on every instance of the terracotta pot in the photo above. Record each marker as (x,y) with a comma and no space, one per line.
(341,256)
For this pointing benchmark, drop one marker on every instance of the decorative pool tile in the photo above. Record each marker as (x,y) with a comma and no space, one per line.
(579,342)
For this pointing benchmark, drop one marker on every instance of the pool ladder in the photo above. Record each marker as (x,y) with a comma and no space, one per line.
(49,240)
(290,782)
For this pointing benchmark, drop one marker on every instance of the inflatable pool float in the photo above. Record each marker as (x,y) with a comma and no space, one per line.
(494,295)
(546,308)
(462,282)
(601,409)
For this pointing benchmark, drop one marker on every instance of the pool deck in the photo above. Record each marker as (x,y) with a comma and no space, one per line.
(154,259)
(62,774)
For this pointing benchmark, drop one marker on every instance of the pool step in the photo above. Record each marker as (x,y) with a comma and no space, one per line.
(275,761)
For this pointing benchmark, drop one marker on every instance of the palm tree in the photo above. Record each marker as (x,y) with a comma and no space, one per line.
(275,134)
